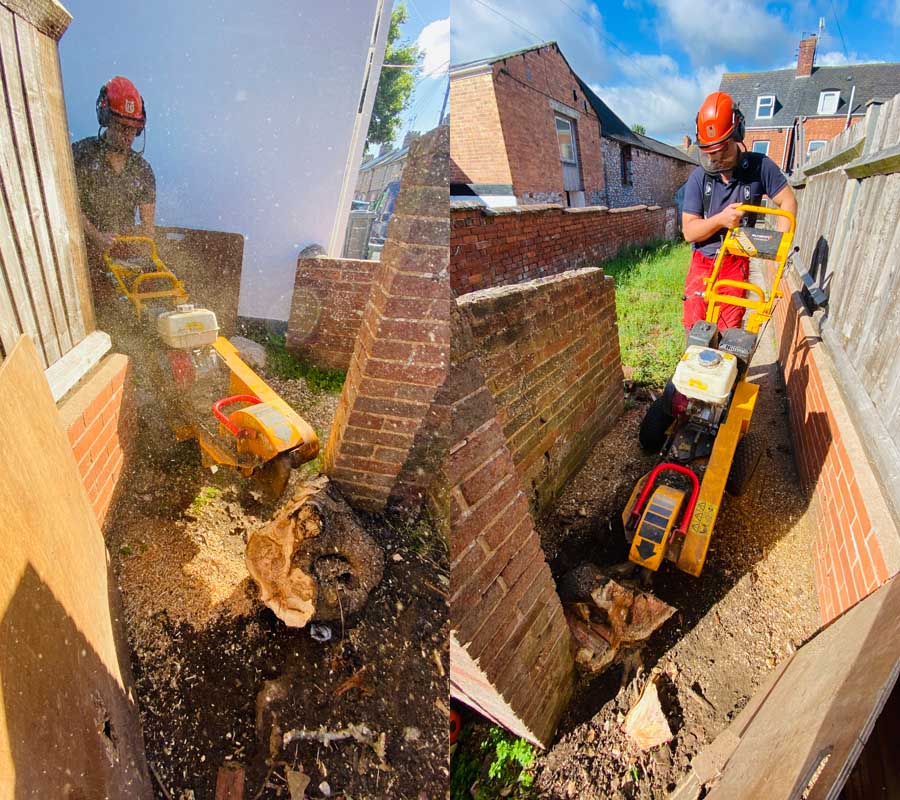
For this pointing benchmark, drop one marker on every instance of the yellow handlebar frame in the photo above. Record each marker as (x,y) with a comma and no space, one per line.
(122,273)
(762,308)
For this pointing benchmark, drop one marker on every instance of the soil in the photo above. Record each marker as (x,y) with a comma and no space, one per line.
(220,679)
(753,605)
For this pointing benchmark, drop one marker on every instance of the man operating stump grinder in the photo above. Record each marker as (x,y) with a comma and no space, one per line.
(116,185)
(728,176)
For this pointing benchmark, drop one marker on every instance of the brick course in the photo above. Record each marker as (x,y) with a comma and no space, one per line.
(330,296)
(848,560)
(100,418)
(495,247)
(405,345)
(509,638)
(550,353)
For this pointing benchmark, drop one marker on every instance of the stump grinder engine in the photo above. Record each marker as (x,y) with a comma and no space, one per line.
(203,386)
(700,424)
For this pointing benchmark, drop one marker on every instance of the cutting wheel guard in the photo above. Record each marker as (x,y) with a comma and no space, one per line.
(648,487)
(220,415)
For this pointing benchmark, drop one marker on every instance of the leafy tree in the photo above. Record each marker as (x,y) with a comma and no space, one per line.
(396,84)
(638,128)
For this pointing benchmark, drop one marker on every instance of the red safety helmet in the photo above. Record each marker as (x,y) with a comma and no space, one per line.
(718,121)
(120,99)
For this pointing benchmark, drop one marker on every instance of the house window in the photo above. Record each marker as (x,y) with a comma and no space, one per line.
(761,147)
(828,102)
(765,106)
(627,174)
(565,134)
(815,144)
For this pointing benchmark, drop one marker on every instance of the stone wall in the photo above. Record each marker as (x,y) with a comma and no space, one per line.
(495,247)
(550,353)
(655,178)
(330,296)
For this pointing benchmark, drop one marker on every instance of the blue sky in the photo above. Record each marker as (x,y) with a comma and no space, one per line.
(653,61)
(428,25)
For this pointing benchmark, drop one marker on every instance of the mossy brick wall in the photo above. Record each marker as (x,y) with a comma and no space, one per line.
(854,524)
(495,247)
(511,656)
(401,354)
(100,417)
(550,353)
(330,296)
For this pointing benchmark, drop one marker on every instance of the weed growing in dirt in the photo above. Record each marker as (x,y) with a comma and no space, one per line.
(283,365)
(649,285)
(488,763)
(204,497)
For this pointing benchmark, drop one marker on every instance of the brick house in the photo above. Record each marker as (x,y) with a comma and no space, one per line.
(378,171)
(791,113)
(526,129)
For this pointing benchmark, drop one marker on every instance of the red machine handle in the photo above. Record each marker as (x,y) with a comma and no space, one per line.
(667,466)
(227,401)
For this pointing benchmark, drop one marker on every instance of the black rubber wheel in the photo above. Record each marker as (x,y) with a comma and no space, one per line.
(656,421)
(743,466)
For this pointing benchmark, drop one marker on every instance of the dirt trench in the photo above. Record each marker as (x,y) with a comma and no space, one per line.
(753,605)
(220,679)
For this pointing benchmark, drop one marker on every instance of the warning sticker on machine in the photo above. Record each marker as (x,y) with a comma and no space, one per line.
(702,521)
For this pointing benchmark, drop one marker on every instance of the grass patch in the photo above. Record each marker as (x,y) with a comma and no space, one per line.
(283,365)
(489,762)
(204,497)
(649,285)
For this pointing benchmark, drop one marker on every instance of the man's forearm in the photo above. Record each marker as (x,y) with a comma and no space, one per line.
(696,229)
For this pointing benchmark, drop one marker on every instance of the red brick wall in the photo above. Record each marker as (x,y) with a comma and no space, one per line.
(825,128)
(401,354)
(848,559)
(477,150)
(510,648)
(529,127)
(550,353)
(330,296)
(494,247)
(100,418)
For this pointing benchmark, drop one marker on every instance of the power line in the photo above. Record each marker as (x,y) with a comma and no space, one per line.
(606,38)
(533,35)
(838,23)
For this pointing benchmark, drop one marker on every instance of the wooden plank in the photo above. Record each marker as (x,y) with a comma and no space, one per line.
(59,274)
(74,365)
(58,131)
(826,701)
(21,96)
(24,273)
(64,682)
(48,16)
(884,162)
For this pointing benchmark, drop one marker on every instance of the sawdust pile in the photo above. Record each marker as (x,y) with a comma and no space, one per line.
(187,571)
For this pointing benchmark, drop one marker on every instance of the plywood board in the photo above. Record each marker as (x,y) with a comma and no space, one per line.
(68,719)
(821,710)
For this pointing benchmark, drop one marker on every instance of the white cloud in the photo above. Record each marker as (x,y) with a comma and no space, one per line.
(727,29)
(889,10)
(661,98)
(434,42)
(493,27)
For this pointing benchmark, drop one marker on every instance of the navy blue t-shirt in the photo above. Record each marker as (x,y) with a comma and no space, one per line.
(754,176)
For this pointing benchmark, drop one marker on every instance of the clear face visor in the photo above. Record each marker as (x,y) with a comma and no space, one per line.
(721,159)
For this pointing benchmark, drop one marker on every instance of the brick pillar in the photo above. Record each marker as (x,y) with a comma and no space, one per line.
(511,657)
(402,351)
(806,57)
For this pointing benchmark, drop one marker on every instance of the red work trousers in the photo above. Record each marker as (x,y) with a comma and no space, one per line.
(735,268)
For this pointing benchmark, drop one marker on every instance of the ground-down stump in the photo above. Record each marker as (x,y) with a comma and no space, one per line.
(314,560)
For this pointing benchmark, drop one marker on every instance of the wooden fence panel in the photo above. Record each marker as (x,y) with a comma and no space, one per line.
(44,285)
